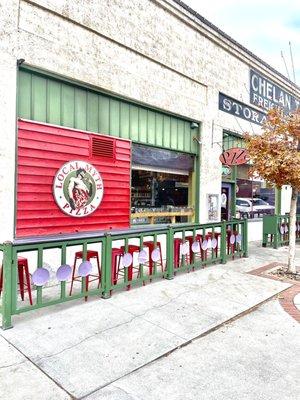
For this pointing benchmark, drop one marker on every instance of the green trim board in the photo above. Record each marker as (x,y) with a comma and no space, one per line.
(43,98)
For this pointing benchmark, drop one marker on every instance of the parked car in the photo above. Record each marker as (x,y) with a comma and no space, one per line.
(251,208)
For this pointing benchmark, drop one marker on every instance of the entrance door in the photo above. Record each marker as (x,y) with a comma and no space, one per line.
(226,201)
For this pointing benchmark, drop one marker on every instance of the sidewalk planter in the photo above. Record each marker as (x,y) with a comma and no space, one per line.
(276,230)
(199,245)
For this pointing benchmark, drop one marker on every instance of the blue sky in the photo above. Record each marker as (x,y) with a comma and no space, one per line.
(265,27)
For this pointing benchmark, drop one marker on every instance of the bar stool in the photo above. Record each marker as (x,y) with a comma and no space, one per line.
(132,248)
(151,247)
(22,270)
(231,246)
(177,259)
(116,255)
(90,254)
(197,238)
(215,235)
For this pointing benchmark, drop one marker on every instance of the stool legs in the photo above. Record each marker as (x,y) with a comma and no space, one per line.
(73,275)
(21,280)
(99,271)
(22,270)
(87,278)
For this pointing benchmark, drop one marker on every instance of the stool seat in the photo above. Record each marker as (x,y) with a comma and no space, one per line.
(131,248)
(116,251)
(89,254)
(22,260)
(22,270)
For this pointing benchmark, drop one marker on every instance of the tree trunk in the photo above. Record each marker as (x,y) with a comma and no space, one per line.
(292,242)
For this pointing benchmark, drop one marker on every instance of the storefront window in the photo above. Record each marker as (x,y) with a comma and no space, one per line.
(158,197)
(162,188)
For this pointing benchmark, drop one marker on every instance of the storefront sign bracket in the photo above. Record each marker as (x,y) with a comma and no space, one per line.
(220,143)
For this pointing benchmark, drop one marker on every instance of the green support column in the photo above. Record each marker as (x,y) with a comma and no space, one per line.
(278,201)
(107,248)
(245,238)
(170,253)
(7,286)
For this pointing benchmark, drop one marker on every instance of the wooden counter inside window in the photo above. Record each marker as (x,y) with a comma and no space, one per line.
(163,214)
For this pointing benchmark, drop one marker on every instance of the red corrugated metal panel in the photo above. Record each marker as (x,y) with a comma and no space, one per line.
(42,150)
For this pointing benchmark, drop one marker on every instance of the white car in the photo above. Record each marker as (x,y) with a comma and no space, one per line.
(253,207)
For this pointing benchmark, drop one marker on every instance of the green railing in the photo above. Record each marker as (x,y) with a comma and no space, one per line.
(127,258)
(276,230)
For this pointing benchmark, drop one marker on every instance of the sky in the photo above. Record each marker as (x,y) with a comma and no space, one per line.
(264,27)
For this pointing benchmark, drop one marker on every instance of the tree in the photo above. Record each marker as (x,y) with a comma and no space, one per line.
(275,155)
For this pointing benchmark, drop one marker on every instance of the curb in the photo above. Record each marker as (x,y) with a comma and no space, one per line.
(287,299)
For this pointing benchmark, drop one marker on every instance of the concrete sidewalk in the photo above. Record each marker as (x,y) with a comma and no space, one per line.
(90,349)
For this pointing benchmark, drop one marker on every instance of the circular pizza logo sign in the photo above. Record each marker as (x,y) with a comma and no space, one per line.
(78,188)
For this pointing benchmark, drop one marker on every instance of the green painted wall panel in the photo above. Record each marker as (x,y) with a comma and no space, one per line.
(151,128)
(53,103)
(39,94)
(48,99)
(92,112)
(124,120)
(114,117)
(231,140)
(143,125)
(180,135)
(68,106)
(104,114)
(134,122)
(167,132)
(24,103)
(80,109)
(174,139)
(159,125)
(187,145)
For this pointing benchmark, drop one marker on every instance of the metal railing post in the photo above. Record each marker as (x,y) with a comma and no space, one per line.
(276,234)
(107,248)
(245,238)
(170,253)
(223,243)
(7,286)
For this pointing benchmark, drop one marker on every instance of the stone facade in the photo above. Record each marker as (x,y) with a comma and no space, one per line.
(150,51)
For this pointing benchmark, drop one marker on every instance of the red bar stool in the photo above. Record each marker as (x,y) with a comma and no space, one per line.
(191,240)
(90,254)
(22,270)
(177,259)
(151,247)
(215,235)
(132,248)
(116,255)
(198,238)
(231,246)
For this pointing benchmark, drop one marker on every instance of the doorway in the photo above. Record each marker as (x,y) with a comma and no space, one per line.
(226,196)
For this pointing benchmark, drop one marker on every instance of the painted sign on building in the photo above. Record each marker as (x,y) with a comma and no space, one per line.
(240,110)
(266,94)
(78,188)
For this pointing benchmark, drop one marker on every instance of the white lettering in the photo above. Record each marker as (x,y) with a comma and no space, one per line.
(227,104)
(254,83)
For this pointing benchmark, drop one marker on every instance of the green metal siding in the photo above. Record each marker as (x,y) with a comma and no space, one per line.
(46,99)
(232,140)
